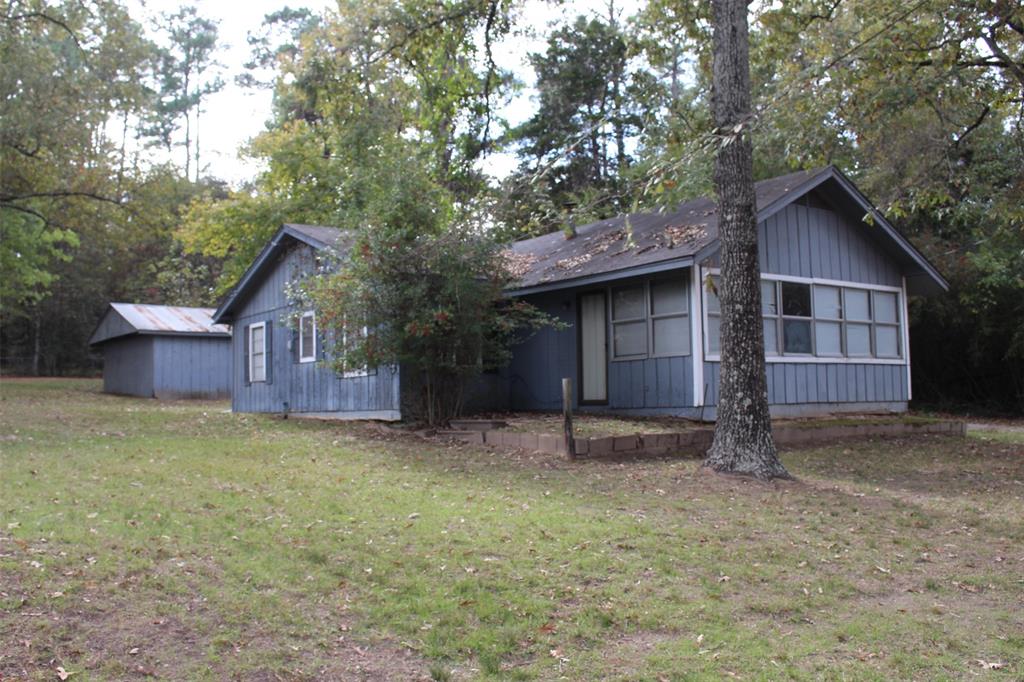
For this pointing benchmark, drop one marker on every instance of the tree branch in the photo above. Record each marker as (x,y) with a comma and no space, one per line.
(9,199)
(974,126)
(1015,68)
(46,17)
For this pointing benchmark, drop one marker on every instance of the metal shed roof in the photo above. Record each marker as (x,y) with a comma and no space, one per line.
(122,319)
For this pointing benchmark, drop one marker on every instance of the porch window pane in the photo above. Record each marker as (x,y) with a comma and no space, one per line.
(858,340)
(671,336)
(771,337)
(857,307)
(885,307)
(630,338)
(769,306)
(714,306)
(826,303)
(887,341)
(796,299)
(714,335)
(668,297)
(826,336)
(628,303)
(796,335)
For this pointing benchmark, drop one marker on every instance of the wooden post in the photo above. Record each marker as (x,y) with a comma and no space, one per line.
(570,442)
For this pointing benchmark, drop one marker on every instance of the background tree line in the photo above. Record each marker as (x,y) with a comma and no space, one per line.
(386,115)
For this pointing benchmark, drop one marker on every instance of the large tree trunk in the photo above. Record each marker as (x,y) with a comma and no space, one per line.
(743,434)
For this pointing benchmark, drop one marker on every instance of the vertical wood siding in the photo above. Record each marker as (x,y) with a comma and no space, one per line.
(191,367)
(791,383)
(812,241)
(299,387)
(538,365)
(128,366)
(807,239)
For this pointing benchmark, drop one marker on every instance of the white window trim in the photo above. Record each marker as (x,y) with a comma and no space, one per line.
(252,355)
(901,303)
(303,358)
(354,373)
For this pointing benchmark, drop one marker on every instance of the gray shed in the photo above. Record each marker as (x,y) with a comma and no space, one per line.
(158,351)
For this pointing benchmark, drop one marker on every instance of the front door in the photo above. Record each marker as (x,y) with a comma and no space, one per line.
(593,349)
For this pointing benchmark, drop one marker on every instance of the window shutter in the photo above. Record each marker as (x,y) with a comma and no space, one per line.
(268,345)
(295,341)
(245,355)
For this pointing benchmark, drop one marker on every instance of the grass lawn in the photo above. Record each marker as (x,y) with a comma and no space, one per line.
(141,539)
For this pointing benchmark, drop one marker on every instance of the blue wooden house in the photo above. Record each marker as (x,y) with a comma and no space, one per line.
(159,351)
(277,366)
(637,293)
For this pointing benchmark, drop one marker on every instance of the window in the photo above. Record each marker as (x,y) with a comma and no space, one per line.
(769,311)
(796,318)
(629,325)
(345,340)
(887,325)
(670,329)
(820,320)
(307,337)
(650,320)
(258,352)
(858,325)
(828,315)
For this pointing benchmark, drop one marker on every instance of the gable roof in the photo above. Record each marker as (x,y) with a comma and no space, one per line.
(124,319)
(319,237)
(677,238)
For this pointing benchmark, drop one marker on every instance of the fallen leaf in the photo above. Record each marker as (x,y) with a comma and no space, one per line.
(63,674)
(991,665)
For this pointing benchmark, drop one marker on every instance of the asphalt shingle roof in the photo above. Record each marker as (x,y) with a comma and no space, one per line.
(601,247)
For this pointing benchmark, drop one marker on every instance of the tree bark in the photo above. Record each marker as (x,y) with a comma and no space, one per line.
(743,433)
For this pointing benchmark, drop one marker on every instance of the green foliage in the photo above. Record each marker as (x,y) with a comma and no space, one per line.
(368,102)
(83,218)
(183,80)
(429,300)
(593,101)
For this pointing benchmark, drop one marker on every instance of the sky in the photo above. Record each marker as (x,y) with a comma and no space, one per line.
(236,114)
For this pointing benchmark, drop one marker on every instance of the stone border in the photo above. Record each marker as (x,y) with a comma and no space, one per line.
(696,441)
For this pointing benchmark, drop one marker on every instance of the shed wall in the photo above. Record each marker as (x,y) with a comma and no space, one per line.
(128,366)
(301,387)
(191,367)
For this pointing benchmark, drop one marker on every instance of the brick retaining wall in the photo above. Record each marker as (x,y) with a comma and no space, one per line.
(696,441)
